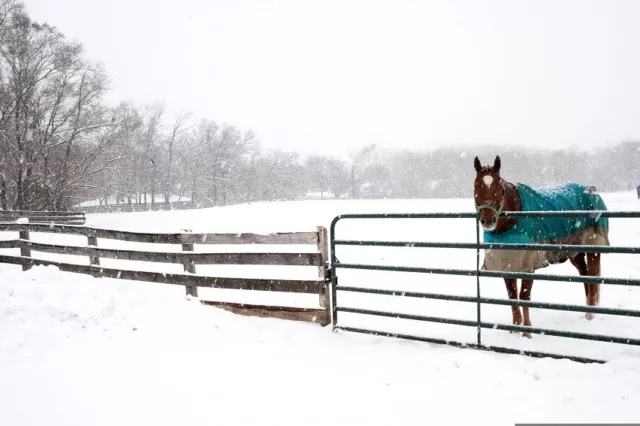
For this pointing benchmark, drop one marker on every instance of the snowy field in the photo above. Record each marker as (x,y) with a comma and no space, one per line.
(75,350)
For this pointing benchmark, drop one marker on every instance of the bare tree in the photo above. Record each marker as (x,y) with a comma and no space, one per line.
(54,125)
(358,160)
(174,142)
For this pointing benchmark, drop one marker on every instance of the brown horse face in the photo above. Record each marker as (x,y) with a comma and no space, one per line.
(488,193)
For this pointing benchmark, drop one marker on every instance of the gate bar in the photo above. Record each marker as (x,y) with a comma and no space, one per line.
(494,301)
(472,215)
(479,304)
(494,274)
(494,246)
(495,326)
(498,349)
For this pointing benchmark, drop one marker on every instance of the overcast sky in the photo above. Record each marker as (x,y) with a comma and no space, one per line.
(324,75)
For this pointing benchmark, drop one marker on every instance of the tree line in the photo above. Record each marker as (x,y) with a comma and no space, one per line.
(449,173)
(61,143)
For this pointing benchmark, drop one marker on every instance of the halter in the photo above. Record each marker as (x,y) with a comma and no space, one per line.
(495,211)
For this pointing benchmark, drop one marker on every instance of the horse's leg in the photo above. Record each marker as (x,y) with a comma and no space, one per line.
(593,269)
(581,265)
(525,294)
(583,268)
(512,292)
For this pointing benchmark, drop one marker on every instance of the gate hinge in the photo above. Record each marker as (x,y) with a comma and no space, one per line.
(328,272)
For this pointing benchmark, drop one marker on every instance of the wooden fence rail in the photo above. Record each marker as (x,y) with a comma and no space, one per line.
(125,208)
(169,238)
(71,218)
(287,259)
(190,259)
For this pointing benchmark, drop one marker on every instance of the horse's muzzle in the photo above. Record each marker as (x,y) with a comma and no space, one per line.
(488,222)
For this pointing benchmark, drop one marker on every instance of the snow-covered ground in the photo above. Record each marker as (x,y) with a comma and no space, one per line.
(75,350)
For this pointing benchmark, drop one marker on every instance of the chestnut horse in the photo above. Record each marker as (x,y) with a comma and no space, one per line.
(494,195)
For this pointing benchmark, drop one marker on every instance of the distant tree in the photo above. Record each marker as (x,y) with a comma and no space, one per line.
(338,177)
(358,162)
(174,142)
(377,179)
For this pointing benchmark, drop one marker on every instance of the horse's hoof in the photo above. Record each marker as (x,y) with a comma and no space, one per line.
(527,335)
(589,316)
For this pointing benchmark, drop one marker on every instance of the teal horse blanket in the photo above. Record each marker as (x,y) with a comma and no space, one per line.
(565,197)
(591,230)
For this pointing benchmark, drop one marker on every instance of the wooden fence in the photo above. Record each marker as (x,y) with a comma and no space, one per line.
(70,218)
(189,259)
(127,208)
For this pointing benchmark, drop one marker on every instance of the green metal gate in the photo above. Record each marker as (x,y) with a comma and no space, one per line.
(478,299)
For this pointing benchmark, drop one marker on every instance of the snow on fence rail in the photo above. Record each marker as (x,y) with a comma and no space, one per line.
(189,259)
(71,218)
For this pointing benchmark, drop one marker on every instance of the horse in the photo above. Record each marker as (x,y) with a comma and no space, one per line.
(493,195)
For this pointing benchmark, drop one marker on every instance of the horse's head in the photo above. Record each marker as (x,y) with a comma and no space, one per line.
(488,193)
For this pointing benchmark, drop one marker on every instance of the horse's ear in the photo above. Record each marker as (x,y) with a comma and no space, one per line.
(497,163)
(477,165)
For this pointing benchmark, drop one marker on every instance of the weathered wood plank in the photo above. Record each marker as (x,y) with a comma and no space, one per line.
(11,260)
(57,222)
(24,252)
(92,240)
(169,238)
(318,316)
(57,229)
(41,213)
(6,217)
(45,219)
(139,237)
(323,249)
(283,286)
(284,259)
(7,244)
(190,267)
(44,223)
(277,238)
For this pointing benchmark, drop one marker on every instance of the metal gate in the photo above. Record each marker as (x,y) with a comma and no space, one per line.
(479,273)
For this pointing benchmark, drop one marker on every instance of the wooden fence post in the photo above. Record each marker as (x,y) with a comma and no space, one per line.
(25,252)
(323,249)
(93,242)
(191,268)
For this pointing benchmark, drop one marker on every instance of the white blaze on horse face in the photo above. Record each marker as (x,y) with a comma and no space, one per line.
(488,180)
